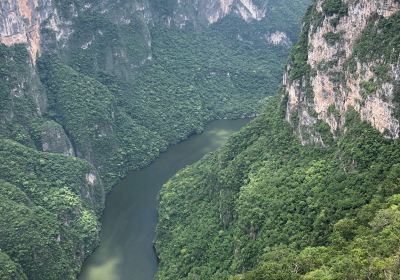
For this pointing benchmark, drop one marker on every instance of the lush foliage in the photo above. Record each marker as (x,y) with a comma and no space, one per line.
(47,211)
(19,94)
(334,7)
(378,45)
(102,134)
(115,94)
(263,201)
(10,270)
(363,247)
(332,38)
(122,102)
(299,67)
(380,40)
(13,61)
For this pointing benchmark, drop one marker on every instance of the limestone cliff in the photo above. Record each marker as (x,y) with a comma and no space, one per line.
(211,11)
(21,21)
(120,29)
(336,67)
(54,139)
(91,89)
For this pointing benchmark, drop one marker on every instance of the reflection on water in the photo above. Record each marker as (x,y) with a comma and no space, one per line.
(105,270)
(130,217)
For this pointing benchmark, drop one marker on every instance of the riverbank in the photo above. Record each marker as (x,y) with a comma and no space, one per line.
(130,217)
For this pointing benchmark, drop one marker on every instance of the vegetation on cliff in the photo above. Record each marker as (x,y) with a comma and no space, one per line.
(265,202)
(266,207)
(112,96)
(48,212)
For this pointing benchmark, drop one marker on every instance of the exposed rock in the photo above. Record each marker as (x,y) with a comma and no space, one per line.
(333,87)
(279,38)
(246,9)
(55,140)
(91,179)
(93,191)
(211,11)
(21,20)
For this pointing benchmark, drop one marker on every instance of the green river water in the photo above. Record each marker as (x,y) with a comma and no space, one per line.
(130,217)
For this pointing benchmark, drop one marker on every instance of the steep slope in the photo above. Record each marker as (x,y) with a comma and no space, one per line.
(49,207)
(352,62)
(125,48)
(309,190)
(92,89)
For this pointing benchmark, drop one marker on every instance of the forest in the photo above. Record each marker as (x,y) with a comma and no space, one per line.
(123,81)
(108,100)
(274,209)
(272,204)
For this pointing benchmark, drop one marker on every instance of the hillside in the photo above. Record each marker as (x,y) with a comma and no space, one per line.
(91,89)
(310,189)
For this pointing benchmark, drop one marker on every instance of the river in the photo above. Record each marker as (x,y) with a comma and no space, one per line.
(130,216)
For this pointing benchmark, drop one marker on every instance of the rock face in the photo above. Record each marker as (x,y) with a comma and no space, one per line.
(21,21)
(279,38)
(50,26)
(20,24)
(211,11)
(339,75)
(55,140)
(246,9)
(91,89)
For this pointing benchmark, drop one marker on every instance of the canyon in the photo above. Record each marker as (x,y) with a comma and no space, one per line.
(335,86)
(91,90)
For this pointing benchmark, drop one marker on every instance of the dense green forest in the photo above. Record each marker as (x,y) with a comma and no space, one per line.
(269,206)
(106,100)
(192,79)
(287,211)
(44,220)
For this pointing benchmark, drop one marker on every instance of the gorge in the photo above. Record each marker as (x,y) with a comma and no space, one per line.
(92,90)
(310,189)
(130,216)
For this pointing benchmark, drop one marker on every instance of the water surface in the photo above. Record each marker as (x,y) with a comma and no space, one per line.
(130,217)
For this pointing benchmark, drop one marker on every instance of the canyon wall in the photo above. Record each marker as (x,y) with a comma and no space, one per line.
(21,21)
(92,89)
(342,68)
(211,11)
